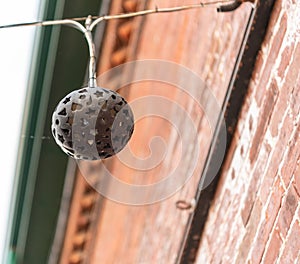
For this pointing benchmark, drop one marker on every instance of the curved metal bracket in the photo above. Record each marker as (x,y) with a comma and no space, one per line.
(233,6)
(87,31)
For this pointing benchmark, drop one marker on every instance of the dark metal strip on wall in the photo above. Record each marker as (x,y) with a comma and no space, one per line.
(233,102)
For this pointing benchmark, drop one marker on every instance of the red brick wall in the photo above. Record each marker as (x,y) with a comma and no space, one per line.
(255,215)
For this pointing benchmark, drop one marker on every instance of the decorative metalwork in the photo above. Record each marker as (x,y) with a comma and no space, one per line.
(92,123)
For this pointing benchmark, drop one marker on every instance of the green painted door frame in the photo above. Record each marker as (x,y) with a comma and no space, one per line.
(58,66)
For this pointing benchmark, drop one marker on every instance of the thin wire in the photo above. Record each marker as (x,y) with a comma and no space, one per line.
(92,21)
(98,19)
(159,10)
(69,22)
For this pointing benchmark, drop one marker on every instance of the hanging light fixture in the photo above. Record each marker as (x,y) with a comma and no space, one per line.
(93,122)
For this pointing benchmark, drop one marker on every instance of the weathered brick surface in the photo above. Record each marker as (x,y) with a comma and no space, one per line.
(255,214)
(267,108)
(206,42)
(287,211)
(269,53)
(273,248)
(267,223)
(291,247)
(296,180)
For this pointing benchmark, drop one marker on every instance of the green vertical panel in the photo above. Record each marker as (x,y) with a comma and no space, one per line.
(31,116)
(60,67)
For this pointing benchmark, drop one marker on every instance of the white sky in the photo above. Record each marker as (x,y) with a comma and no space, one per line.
(15,57)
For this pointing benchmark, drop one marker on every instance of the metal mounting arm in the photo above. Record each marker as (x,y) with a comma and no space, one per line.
(91,45)
(89,38)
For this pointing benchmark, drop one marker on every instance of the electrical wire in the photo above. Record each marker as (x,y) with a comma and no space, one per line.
(98,19)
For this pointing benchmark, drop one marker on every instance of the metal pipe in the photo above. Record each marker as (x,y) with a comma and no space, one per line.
(230,7)
(91,46)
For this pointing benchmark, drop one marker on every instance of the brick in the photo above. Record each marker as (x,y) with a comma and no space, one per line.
(220,218)
(293,80)
(274,19)
(287,211)
(285,60)
(280,110)
(291,158)
(276,156)
(292,245)
(269,102)
(260,90)
(255,182)
(204,254)
(297,178)
(231,153)
(293,71)
(251,230)
(272,251)
(295,99)
(250,123)
(270,62)
(285,131)
(259,63)
(278,40)
(248,206)
(236,233)
(269,217)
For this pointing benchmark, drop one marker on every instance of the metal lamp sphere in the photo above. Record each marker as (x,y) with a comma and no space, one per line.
(92,123)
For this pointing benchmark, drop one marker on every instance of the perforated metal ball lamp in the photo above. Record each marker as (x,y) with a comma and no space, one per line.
(92,123)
